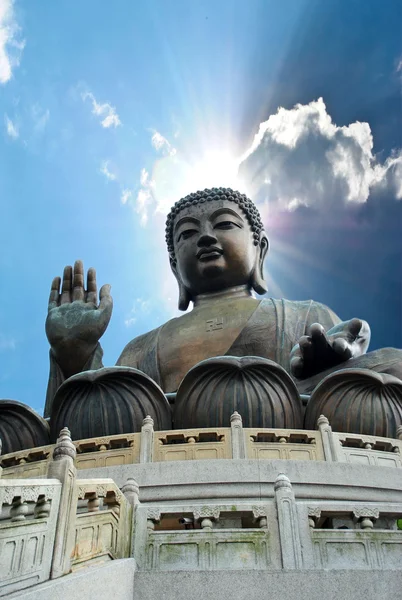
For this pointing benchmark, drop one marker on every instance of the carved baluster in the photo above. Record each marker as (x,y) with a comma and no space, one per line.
(18,510)
(111,502)
(313,515)
(93,502)
(207,524)
(131,491)
(42,508)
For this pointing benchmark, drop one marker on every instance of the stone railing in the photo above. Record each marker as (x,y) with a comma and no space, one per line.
(29,511)
(279,532)
(50,526)
(214,443)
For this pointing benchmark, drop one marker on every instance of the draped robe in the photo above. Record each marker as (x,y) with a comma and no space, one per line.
(271,331)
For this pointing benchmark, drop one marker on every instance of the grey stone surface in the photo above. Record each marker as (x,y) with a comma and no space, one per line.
(111,581)
(264,585)
(223,479)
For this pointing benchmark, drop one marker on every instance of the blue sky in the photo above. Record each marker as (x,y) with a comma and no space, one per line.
(109,113)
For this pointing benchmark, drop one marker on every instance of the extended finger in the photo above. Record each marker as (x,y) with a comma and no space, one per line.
(354,327)
(105,299)
(319,338)
(342,348)
(67,284)
(54,293)
(297,366)
(78,281)
(306,348)
(92,291)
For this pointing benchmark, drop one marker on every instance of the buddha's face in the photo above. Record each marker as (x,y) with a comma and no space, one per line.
(214,248)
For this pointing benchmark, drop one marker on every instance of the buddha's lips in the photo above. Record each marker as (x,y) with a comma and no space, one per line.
(209,253)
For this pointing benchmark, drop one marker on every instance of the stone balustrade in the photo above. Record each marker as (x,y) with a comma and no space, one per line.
(328,512)
(213,443)
(29,511)
(279,532)
(50,526)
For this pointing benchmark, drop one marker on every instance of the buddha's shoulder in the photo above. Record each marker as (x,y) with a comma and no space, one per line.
(138,347)
(142,345)
(310,310)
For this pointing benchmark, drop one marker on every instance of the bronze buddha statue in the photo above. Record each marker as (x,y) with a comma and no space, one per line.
(217,246)
(264,358)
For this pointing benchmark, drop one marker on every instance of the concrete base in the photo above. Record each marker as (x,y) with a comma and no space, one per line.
(260,585)
(118,580)
(111,581)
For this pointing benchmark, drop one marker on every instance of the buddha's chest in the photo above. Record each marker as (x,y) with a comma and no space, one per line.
(201,334)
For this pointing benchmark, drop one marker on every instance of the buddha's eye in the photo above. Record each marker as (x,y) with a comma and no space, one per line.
(226,225)
(187,233)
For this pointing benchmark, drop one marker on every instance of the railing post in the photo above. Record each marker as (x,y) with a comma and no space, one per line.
(62,468)
(238,442)
(131,491)
(330,443)
(147,440)
(289,534)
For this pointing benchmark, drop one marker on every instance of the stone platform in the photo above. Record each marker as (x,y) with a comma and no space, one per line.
(276,513)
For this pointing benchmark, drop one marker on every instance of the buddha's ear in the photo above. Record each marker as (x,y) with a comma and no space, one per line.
(258,282)
(184,294)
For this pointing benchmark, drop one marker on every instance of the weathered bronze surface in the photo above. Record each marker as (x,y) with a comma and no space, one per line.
(108,401)
(358,401)
(217,247)
(258,389)
(21,427)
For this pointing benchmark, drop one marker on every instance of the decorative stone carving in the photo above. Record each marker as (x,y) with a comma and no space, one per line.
(358,401)
(64,446)
(206,512)
(108,401)
(21,427)
(258,388)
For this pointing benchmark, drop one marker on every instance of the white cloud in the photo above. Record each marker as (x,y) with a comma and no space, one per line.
(140,308)
(161,144)
(11,46)
(300,157)
(11,128)
(126,194)
(107,112)
(104,169)
(144,177)
(144,200)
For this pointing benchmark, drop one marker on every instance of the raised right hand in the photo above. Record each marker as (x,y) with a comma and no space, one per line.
(75,322)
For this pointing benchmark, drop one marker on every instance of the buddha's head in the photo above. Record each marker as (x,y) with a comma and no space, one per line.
(216,240)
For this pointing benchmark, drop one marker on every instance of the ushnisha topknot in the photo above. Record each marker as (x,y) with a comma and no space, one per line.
(207,195)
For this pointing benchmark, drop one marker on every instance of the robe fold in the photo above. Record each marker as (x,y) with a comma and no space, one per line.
(271,331)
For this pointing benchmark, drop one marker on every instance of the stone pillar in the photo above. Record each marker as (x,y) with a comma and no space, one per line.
(1,468)
(288,523)
(131,491)
(238,442)
(62,468)
(330,443)
(147,440)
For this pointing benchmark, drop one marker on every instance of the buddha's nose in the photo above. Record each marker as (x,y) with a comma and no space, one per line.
(206,239)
